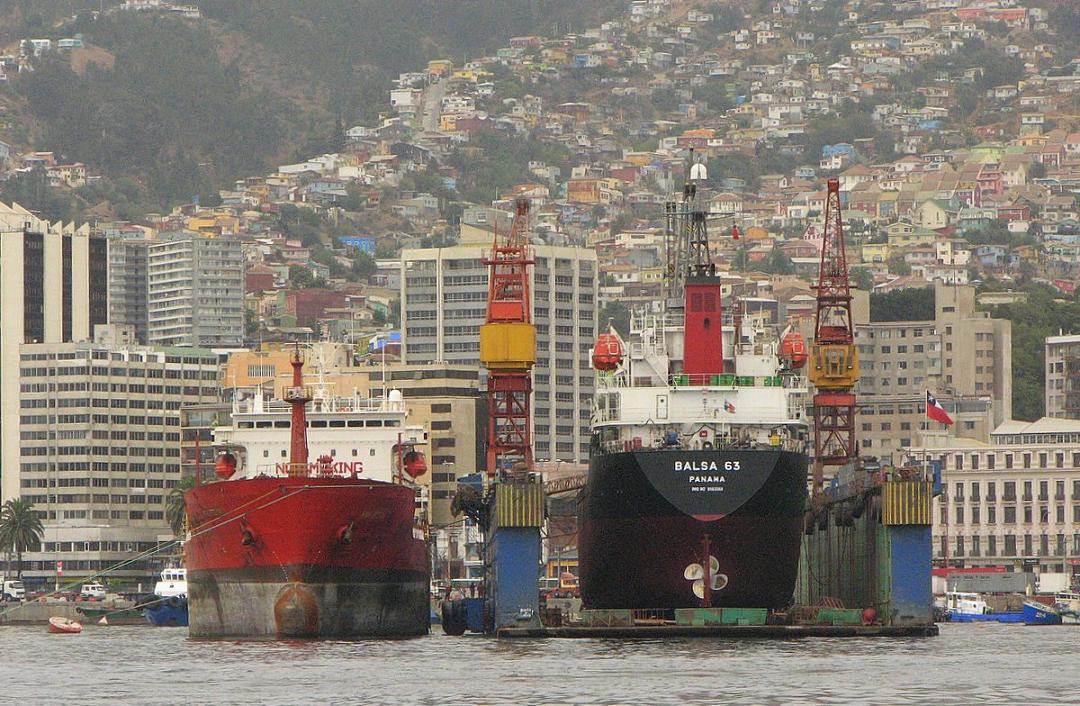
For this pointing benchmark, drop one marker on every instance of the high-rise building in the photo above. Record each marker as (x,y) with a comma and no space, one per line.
(99,448)
(51,290)
(195,289)
(1063,376)
(128,282)
(444,297)
(961,355)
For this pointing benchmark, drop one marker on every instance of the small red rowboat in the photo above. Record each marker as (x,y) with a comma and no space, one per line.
(64,626)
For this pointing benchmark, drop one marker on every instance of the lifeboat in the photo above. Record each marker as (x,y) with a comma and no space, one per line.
(64,626)
(793,350)
(225,466)
(415,464)
(607,353)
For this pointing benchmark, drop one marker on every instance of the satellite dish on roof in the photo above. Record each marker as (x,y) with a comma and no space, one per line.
(698,172)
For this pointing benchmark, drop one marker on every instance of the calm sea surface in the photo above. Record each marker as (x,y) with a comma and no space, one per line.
(966,664)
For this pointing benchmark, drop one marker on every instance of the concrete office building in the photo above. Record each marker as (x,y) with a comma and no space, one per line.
(961,355)
(1063,376)
(446,399)
(99,448)
(195,289)
(128,285)
(444,296)
(1014,501)
(52,282)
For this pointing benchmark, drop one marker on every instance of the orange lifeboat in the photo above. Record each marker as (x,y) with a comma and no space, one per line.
(415,464)
(607,353)
(793,350)
(225,466)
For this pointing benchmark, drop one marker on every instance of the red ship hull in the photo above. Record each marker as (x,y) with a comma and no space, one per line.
(305,557)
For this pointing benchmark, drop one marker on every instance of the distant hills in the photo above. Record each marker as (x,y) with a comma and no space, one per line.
(189,105)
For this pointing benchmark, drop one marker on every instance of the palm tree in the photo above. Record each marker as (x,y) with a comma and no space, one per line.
(176,508)
(20,530)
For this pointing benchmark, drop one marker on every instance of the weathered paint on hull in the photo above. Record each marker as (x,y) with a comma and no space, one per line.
(637,538)
(864,563)
(228,606)
(305,557)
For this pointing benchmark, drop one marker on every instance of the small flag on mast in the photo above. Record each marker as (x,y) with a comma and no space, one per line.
(935,411)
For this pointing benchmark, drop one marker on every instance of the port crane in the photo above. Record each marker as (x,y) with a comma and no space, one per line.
(508,347)
(834,362)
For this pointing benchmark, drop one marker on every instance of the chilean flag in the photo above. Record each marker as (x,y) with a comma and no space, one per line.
(935,411)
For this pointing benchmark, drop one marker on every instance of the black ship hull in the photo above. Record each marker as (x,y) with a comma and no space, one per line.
(648,515)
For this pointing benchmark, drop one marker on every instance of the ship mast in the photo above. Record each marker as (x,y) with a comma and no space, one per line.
(298,396)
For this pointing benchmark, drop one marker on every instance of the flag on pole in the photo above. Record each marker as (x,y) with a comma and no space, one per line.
(935,411)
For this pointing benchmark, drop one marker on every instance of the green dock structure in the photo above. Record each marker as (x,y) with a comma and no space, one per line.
(869,550)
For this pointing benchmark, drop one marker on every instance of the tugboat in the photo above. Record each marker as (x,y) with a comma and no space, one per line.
(329,548)
(169,607)
(697,479)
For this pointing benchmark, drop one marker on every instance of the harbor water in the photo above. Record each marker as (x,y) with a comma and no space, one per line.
(966,664)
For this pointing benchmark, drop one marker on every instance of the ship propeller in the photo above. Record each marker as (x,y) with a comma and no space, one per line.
(696,572)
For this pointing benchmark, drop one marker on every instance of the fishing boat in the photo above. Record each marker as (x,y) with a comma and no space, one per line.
(696,490)
(64,626)
(1067,604)
(327,543)
(1036,613)
(169,606)
(962,607)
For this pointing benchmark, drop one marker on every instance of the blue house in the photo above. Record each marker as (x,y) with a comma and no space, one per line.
(360,242)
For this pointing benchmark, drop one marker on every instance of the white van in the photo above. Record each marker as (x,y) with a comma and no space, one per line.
(93,591)
(14,591)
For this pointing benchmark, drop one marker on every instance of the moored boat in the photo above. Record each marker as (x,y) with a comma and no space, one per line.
(169,607)
(1036,613)
(697,474)
(64,626)
(330,548)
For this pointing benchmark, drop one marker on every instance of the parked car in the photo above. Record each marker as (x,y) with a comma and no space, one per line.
(14,591)
(92,591)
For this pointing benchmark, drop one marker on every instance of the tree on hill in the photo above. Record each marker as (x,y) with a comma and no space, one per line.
(1044,314)
(910,304)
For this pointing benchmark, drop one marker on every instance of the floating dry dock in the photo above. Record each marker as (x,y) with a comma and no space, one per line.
(864,571)
(727,631)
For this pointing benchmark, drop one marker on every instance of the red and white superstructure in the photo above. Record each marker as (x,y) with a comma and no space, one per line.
(312,529)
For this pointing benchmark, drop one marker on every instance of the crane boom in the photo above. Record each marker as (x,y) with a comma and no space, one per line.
(508,346)
(834,368)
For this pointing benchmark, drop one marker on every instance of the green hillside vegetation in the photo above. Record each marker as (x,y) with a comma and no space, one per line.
(910,304)
(169,111)
(190,106)
(1044,314)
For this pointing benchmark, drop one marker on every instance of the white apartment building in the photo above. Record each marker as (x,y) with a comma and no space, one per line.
(52,290)
(99,448)
(195,289)
(444,298)
(1063,376)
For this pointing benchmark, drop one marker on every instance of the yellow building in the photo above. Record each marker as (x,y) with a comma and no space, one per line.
(440,67)
(271,367)
(875,252)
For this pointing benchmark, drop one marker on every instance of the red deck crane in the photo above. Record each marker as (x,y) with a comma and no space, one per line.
(834,366)
(508,346)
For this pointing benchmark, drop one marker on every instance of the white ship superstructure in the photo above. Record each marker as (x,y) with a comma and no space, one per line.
(347,436)
(647,403)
